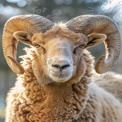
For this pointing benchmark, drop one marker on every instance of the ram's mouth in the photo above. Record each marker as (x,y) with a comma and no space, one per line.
(60,77)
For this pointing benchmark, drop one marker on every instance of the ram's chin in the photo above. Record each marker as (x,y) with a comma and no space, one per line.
(60,79)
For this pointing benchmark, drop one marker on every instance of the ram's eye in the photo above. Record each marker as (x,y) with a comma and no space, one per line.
(75,50)
(82,46)
(39,47)
(36,45)
(78,47)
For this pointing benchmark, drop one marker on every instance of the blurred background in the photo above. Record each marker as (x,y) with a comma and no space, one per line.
(55,10)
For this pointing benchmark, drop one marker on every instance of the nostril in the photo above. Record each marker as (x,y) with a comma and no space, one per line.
(61,67)
(56,65)
(65,66)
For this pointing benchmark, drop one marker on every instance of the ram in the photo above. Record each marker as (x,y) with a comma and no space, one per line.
(55,80)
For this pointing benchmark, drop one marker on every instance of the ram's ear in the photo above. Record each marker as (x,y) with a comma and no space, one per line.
(23,36)
(95,38)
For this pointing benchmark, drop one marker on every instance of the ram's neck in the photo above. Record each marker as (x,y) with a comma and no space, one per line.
(53,101)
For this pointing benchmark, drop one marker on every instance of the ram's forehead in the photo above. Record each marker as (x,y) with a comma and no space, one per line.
(60,30)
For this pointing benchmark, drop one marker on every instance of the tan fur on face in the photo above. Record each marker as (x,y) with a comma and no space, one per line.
(59,42)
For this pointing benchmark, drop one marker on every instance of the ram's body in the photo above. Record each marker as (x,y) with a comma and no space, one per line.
(111,82)
(83,102)
(57,81)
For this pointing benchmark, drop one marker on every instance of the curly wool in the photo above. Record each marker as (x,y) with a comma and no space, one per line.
(28,101)
(111,82)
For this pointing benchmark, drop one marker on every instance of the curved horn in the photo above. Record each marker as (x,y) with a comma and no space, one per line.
(87,24)
(28,23)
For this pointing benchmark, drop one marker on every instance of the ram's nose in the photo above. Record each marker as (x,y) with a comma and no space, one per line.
(61,66)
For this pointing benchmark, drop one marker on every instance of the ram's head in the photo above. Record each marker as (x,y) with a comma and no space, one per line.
(59,47)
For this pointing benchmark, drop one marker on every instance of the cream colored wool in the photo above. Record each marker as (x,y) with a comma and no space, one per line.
(84,101)
(112,82)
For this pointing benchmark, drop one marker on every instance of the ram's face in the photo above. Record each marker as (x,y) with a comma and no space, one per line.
(59,57)
(59,53)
